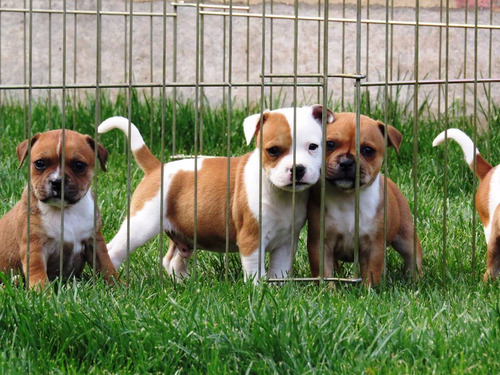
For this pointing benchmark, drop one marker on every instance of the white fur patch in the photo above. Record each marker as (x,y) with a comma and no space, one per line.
(462,139)
(145,224)
(340,210)
(122,123)
(78,223)
(308,131)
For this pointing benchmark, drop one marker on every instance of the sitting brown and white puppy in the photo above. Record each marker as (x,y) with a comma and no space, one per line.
(487,197)
(340,206)
(45,212)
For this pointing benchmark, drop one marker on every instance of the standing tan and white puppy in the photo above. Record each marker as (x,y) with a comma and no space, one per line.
(487,197)
(45,211)
(340,206)
(278,147)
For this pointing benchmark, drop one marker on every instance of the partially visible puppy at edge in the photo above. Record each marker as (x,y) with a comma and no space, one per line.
(43,264)
(487,197)
(277,173)
(340,206)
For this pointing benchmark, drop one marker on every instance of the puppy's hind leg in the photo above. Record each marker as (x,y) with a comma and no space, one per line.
(142,229)
(174,263)
(403,244)
(493,255)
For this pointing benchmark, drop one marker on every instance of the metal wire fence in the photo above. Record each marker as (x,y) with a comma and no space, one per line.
(255,56)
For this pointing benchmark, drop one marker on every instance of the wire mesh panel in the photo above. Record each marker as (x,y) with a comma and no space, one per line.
(187,74)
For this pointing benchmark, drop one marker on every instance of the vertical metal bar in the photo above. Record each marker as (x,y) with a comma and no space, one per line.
(50,63)
(488,96)
(464,87)
(271,54)
(174,77)
(358,129)
(63,142)
(474,181)
(151,73)
(162,146)
(129,152)
(224,32)
(1,106)
(229,110)
(326,11)
(25,62)
(415,139)
(386,120)
(294,133)
(202,79)
(97,121)
(445,157)
(343,58)
(446,124)
(75,63)
(318,41)
(196,129)
(248,57)
(29,132)
(263,71)
(367,57)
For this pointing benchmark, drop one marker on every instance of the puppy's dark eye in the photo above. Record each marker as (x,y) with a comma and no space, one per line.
(40,165)
(367,151)
(330,145)
(313,146)
(273,151)
(79,166)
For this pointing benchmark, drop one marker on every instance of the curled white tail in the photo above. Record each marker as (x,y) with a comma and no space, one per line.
(146,160)
(463,140)
(122,123)
(470,152)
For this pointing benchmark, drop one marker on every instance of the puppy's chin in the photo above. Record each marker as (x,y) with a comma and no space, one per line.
(343,183)
(299,186)
(55,202)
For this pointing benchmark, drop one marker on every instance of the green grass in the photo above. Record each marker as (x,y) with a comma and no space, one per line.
(448,323)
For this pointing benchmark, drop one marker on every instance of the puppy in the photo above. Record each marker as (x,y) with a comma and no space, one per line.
(487,197)
(277,175)
(340,206)
(42,261)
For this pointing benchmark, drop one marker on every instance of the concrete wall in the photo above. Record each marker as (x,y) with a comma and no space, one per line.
(341,49)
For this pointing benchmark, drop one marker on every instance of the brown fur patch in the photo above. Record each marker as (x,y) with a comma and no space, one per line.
(276,133)
(211,203)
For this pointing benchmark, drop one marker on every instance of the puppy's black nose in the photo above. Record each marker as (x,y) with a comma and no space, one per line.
(347,164)
(55,184)
(300,171)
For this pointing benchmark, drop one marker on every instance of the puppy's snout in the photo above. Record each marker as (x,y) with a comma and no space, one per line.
(300,171)
(55,184)
(347,164)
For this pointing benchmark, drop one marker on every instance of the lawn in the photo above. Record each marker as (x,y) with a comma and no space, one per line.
(449,322)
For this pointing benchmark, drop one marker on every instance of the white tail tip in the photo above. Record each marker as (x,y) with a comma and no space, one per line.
(462,139)
(122,123)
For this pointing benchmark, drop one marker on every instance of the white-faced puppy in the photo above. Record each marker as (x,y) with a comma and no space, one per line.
(487,197)
(277,148)
(45,212)
(340,206)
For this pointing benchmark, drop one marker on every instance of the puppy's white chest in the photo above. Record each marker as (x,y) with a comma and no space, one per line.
(340,214)
(78,224)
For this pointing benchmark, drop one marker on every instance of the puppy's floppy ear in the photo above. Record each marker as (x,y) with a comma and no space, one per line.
(251,125)
(102,153)
(317,113)
(394,137)
(22,148)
